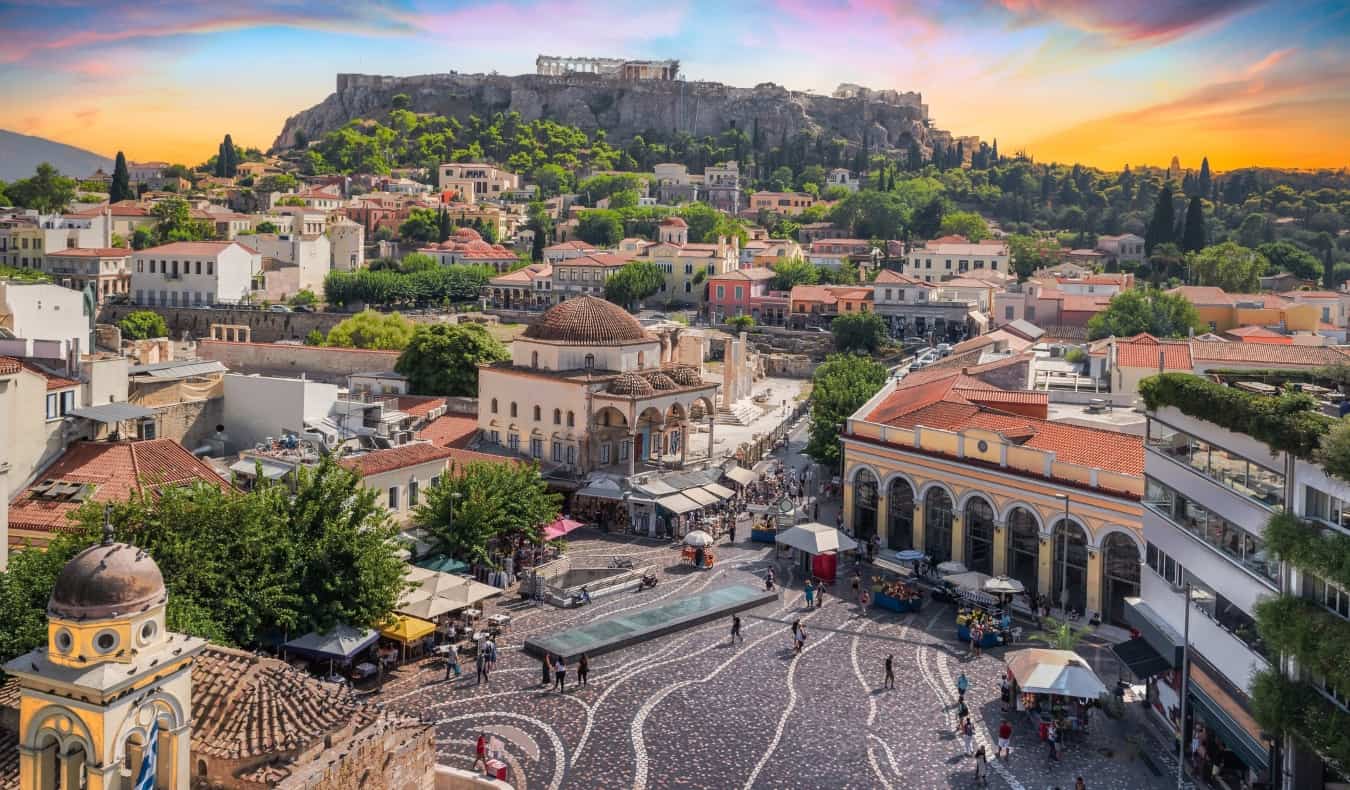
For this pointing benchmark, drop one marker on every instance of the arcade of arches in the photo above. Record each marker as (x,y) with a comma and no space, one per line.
(1088,562)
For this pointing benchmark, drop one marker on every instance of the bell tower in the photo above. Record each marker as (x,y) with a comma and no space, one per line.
(110,679)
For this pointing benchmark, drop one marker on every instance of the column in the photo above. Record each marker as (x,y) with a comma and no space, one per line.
(1094,580)
(712,421)
(70,768)
(958,538)
(1000,549)
(632,452)
(918,525)
(684,441)
(883,517)
(1045,574)
(846,507)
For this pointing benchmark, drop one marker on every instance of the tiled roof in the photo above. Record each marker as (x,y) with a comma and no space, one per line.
(459,457)
(115,470)
(1141,351)
(983,248)
(9,758)
(745,274)
(1313,295)
(589,320)
(812,293)
(9,366)
(597,259)
(193,248)
(1267,354)
(569,245)
(420,405)
(407,455)
(90,252)
(450,430)
(524,276)
(55,381)
(1254,331)
(886,276)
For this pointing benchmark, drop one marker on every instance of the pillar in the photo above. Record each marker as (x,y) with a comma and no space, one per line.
(883,517)
(846,507)
(632,452)
(958,538)
(712,421)
(1046,557)
(1000,549)
(684,441)
(1094,580)
(71,766)
(918,524)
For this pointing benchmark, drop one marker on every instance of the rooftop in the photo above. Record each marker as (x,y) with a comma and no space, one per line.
(380,461)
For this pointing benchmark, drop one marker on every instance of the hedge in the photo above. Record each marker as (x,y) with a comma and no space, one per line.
(1325,552)
(1317,638)
(1283,707)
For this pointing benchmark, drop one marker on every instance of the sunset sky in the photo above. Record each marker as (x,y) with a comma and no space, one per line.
(1105,82)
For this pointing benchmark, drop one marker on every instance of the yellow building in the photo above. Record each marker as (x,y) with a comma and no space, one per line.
(687,266)
(1222,311)
(963,471)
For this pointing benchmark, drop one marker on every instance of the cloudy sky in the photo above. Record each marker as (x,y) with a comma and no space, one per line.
(1107,82)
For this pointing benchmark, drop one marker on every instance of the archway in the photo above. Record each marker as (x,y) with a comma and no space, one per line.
(864,505)
(609,428)
(1024,549)
(900,511)
(1069,590)
(1120,577)
(649,434)
(979,523)
(937,525)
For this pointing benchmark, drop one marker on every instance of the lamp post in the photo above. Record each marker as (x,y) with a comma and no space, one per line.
(1185,683)
(1063,557)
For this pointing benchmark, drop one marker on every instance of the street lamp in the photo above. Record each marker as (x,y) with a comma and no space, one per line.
(1063,556)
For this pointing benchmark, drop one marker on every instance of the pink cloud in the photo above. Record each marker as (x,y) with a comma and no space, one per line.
(1130,22)
(1268,62)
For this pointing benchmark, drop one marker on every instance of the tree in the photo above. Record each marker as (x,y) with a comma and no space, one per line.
(265,227)
(400,101)
(143,324)
(416,262)
(633,282)
(624,198)
(1030,253)
(420,226)
(369,329)
(1060,634)
(1205,182)
(840,387)
(121,181)
(443,228)
(601,227)
(175,222)
(1229,266)
(1162,227)
(46,191)
(277,182)
(303,297)
(1288,257)
(965,223)
(443,359)
(231,167)
(482,503)
(787,273)
(858,332)
(1193,236)
(314,338)
(741,323)
(927,222)
(1159,313)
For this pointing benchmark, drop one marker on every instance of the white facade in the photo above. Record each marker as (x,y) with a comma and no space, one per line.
(1125,247)
(489,182)
(259,407)
(311,254)
(194,273)
(940,262)
(47,320)
(347,248)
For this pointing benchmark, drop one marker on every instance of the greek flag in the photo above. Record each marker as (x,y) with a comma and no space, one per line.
(145,780)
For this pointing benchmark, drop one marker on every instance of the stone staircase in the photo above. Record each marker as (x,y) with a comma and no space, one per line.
(740,413)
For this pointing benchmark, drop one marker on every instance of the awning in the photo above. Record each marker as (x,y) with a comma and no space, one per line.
(113,412)
(178,370)
(700,496)
(1137,654)
(719,491)
(270,469)
(425,606)
(341,643)
(1062,672)
(560,527)
(740,474)
(816,539)
(655,488)
(678,503)
(442,564)
(1226,716)
(597,491)
(1154,629)
(407,629)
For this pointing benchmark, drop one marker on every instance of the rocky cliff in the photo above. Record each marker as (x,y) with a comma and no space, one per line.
(622,108)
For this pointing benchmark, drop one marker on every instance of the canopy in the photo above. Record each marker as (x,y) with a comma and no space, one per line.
(704,498)
(342,643)
(1004,585)
(442,564)
(741,475)
(970,580)
(698,538)
(603,488)
(678,503)
(815,538)
(719,491)
(407,629)
(560,527)
(425,605)
(951,567)
(1062,672)
(458,591)
(113,412)
(910,555)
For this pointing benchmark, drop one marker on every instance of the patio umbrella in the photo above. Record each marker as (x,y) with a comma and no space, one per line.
(1061,672)
(970,580)
(1004,585)
(560,527)
(951,567)
(910,555)
(698,538)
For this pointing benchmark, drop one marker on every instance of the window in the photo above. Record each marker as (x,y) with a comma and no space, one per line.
(537,416)
(688,287)
(1225,537)
(1008,313)
(557,452)
(140,267)
(536,447)
(570,453)
(1324,507)
(625,447)
(590,363)
(513,408)
(721,292)
(495,437)
(1334,598)
(1228,469)
(152,265)
(198,268)
(571,420)
(53,407)
(604,453)
(557,416)
(494,405)
(739,291)
(210,268)
(412,493)
(513,441)
(689,268)
(534,359)
(393,497)
(1165,566)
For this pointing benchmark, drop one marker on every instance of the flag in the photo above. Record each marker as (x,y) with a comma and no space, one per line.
(145,780)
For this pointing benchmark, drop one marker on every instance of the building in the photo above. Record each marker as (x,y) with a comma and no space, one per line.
(527,288)
(556,253)
(965,471)
(837,253)
(761,253)
(841,177)
(722,187)
(916,308)
(400,474)
(194,273)
(466,245)
(489,182)
(346,244)
(1125,248)
(1223,311)
(743,292)
(940,260)
(687,265)
(788,204)
(586,274)
(310,255)
(610,68)
(1046,305)
(674,184)
(106,271)
(1128,361)
(587,388)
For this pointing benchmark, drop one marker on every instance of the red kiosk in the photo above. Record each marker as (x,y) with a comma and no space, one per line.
(821,544)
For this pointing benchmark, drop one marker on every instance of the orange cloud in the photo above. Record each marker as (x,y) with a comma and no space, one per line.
(1131,22)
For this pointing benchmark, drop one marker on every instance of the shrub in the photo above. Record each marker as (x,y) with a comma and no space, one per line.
(143,324)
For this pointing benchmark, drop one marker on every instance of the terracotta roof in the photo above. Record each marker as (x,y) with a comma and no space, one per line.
(450,430)
(524,276)
(597,259)
(674,222)
(1141,351)
(407,455)
(1254,331)
(90,252)
(570,245)
(459,457)
(193,248)
(1313,295)
(1267,354)
(812,293)
(9,758)
(420,405)
(745,274)
(9,366)
(587,320)
(889,276)
(55,381)
(115,470)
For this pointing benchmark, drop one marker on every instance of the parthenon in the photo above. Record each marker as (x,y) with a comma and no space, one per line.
(613,68)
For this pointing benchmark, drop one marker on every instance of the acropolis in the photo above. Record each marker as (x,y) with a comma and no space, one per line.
(613,68)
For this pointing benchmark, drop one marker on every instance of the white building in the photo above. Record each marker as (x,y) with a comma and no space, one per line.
(488,181)
(938,261)
(312,255)
(1125,248)
(44,320)
(841,177)
(194,273)
(347,242)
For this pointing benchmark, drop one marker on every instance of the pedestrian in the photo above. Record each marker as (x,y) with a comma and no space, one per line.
(976,635)
(810,591)
(1005,692)
(736,629)
(961,685)
(732,532)
(801,639)
(889,683)
(981,768)
(1052,741)
(480,749)
(863,599)
(961,710)
(491,654)
(796,626)
(559,674)
(1078,784)
(583,668)
(548,668)
(1004,739)
(855,582)
(968,735)
(820,595)
(481,663)
(451,663)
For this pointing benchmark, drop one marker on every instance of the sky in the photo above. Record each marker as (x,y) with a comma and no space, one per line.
(1103,82)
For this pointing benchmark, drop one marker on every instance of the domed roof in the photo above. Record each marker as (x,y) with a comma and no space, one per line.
(661,382)
(631,384)
(587,320)
(674,222)
(478,245)
(685,376)
(466,234)
(105,581)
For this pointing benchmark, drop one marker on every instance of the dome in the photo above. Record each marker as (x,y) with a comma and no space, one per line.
(674,222)
(685,376)
(466,234)
(631,384)
(478,245)
(587,320)
(661,382)
(104,581)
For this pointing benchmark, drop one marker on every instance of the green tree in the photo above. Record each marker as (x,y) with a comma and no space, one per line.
(443,359)
(1030,253)
(1159,313)
(787,273)
(416,262)
(1285,256)
(1229,266)
(121,181)
(480,505)
(1162,227)
(624,198)
(265,227)
(1193,234)
(142,238)
(840,387)
(633,282)
(231,168)
(421,226)
(965,223)
(277,182)
(46,191)
(303,297)
(741,323)
(370,329)
(175,222)
(142,324)
(860,333)
(601,227)
(400,101)
(314,338)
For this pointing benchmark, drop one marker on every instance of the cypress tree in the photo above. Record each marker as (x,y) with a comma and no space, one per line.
(121,181)
(231,158)
(537,244)
(1193,237)
(914,160)
(995,151)
(1206,179)
(219,169)
(443,225)
(1161,229)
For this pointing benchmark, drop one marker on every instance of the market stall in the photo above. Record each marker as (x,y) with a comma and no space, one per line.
(338,646)
(1053,686)
(899,597)
(972,620)
(819,545)
(560,527)
(697,549)
(408,632)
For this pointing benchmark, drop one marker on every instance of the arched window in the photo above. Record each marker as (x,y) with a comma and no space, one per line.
(590,361)
(900,507)
(513,408)
(1024,541)
(864,504)
(534,359)
(494,405)
(937,525)
(571,420)
(979,523)
(1070,566)
(557,416)
(537,418)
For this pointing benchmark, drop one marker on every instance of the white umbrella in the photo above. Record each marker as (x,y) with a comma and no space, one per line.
(1061,672)
(950,567)
(910,555)
(814,538)
(1004,585)
(698,538)
(970,580)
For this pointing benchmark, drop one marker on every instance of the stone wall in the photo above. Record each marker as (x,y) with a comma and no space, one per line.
(788,366)
(380,757)
(190,423)
(776,340)
(267,327)
(332,365)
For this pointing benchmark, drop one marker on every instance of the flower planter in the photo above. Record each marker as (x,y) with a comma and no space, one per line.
(763,535)
(990,638)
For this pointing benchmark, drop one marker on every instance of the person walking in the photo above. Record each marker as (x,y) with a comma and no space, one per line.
(864,598)
(962,710)
(559,674)
(968,735)
(976,636)
(889,683)
(583,668)
(1004,740)
(801,639)
(1005,692)
(962,684)
(796,627)
(1052,743)
(736,629)
(548,668)
(451,663)
(481,663)
(981,768)
(855,582)
(820,594)
(1078,784)
(809,591)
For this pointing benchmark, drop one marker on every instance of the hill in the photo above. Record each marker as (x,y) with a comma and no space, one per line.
(20,154)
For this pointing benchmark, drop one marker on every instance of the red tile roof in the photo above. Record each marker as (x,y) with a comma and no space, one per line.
(450,430)
(379,461)
(55,381)
(1141,351)
(812,293)
(9,366)
(1203,294)
(116,470)
(90,252)
(1267,354)
(1254,331)
(889,276)
(420,405)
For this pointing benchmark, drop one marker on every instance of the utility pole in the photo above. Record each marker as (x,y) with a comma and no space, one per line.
(1185,682)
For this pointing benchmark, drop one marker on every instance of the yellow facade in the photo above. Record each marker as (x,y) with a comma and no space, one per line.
(1295,317)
